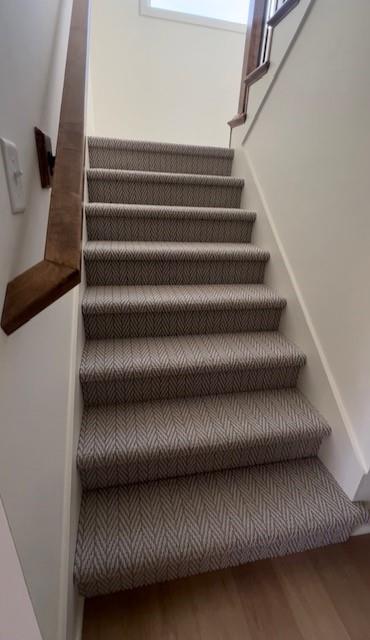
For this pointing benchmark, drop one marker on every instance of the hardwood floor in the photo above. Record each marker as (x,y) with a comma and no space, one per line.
(317,595)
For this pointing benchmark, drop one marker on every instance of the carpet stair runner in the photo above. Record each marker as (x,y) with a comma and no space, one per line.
(196,450)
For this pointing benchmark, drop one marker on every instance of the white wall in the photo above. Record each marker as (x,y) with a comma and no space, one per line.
(309,152)
(17,619)
(160,80)
(36,361)
(338,452)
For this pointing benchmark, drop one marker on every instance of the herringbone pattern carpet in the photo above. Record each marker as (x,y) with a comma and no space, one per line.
(196,449)
(168,438)
(142,263)
(156,531)
(164,223)
(148,156)
(125,312)
(149,187)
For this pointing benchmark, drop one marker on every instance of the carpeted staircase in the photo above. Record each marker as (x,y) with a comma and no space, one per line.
(196,451)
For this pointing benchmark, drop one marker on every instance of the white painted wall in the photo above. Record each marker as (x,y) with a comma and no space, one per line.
(17,619)
(160,80)
(36,412)
(339,452)
(308,150)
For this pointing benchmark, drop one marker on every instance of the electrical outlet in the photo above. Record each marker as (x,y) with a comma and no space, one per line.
(14,175)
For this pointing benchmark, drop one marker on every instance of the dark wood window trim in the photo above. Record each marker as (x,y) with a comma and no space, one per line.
(60,270)
(283,11)
(252,70)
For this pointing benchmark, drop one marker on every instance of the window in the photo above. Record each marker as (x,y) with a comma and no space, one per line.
(222,14)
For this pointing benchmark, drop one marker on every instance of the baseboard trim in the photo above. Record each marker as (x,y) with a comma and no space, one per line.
(65,579)
(79,618)
(364,530)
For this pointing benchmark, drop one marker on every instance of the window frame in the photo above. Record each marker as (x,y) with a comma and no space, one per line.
(145,9)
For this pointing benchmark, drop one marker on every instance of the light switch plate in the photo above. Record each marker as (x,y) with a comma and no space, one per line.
(14,175)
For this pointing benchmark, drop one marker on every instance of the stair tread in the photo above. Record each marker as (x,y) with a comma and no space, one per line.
(167,211)
(164,177)
(176,251)
(161,530)
(182,355)
(160,147)
(149,298)
(134,443)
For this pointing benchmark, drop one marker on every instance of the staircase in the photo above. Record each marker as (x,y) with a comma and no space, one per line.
(196,451)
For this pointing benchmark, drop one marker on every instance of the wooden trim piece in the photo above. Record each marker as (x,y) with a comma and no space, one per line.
(34,290)
(280,14)
(253,41)
(253,37)
(257,73)
(256,33)
(63,240)
(237,120)
(243,92)
(38,287)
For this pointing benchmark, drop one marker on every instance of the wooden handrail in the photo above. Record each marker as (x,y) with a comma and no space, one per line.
(253,38)
(60,270)
(253,67)
(283,11)
(257,73)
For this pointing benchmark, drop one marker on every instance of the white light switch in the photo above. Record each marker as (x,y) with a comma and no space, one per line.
(14,175)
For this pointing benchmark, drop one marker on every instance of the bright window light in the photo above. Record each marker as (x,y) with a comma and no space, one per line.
(235,11)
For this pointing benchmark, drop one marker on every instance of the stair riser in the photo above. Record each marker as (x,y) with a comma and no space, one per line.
(163,193)
(123,389)
(183,322)
(137,160)
(167,230)
(113,473)
(137,272)
(106,580)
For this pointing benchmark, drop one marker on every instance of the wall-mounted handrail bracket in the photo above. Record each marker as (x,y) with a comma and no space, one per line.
(45,157)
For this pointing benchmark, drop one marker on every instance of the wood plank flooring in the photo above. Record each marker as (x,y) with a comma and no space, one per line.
(317,595)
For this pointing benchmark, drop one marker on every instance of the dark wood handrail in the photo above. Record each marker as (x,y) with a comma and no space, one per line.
(253,38)
(283,11)
(253,68)
(60,270)
(257,73)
